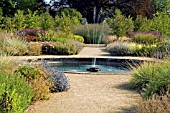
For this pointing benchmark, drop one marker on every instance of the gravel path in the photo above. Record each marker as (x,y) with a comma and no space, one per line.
(94,50)
(91,94)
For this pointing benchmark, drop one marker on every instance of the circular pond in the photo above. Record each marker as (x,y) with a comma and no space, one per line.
(103,66)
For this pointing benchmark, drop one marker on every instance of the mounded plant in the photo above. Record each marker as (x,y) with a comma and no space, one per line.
(147,38)
(15,93)
(120,48)
(78,38)
(69,47)
(34,48)
(157,104)
(152,78)
(58,78)
(37,79)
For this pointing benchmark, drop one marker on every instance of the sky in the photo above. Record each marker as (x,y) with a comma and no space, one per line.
(47,1)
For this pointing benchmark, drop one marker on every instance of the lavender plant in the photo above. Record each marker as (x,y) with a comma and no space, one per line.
(60,81)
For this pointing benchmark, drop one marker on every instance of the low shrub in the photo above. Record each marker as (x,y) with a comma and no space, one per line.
(37,79)
(109,39)
(34,49)
(146,37)
(15,93)
(60,81)
(157,104)
(120,48)
(68,48)
(162,49)
(152,78)
(92,33)
(78,38)
(147,50)
(58,39)
(47,47)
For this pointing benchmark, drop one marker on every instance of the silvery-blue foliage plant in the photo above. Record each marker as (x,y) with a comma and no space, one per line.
(58,78)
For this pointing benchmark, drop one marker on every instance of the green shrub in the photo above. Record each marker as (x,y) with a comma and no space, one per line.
(68,48)
(152,78)
(37,79)
(15,93)
(32,20)
(78,38)
(63,23)
(92,33)
(16,23)
(73,14)
(160,22)
(162,49)
(120,48)
(46,21)
(120,25)
(141,23)
(58,39)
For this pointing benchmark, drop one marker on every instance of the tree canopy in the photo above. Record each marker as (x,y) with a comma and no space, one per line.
(93,10)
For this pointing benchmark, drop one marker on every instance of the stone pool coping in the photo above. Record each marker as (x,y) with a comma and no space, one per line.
(34,58)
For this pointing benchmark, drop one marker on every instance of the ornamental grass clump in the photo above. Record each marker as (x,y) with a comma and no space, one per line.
(16,46)
(8,64)
(156,104)
(147,38)
(92,33)
(152,78)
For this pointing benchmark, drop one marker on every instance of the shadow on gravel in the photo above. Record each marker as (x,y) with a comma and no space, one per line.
(126,110)
(125,86)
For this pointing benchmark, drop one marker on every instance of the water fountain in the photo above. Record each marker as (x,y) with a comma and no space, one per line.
(102,66)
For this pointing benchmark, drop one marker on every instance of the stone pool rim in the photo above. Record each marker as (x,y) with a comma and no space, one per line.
(53,57)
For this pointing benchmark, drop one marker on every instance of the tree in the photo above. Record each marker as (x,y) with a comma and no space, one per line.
(26,4)
(95,9)
(92,10)
(10,7)
(161,5)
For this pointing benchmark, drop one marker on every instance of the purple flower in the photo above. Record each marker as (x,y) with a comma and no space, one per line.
(30,32)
